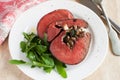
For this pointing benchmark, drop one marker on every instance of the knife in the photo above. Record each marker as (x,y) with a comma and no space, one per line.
(97,10)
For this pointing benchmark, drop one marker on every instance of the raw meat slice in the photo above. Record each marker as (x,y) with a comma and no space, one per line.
(55,27)
(70,56)
(60,14)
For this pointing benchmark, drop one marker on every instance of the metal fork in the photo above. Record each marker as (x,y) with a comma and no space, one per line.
(112,34)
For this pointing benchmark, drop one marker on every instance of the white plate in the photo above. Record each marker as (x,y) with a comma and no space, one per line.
(30,18)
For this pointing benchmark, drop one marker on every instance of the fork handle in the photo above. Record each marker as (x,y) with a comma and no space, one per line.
(115,26)
(112,35)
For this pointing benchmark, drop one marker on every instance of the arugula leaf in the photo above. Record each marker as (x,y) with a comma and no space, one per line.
(37,40)
(38,58)
(61,71)
(29,37)
(30,47)
(26,36)
(17,62)
(23,46)
(60,68)
(48,60)
(41,48)
(40,64)
(48,70)
(31,56)
(37,51)
(45,40)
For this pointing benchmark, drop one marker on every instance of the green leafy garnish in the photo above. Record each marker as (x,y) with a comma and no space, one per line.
(61,69)
(17,62)
(23,46)
(39,55)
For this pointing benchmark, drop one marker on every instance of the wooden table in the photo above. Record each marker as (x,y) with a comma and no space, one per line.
(109,70)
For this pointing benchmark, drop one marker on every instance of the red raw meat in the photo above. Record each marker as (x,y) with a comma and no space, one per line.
(70,56)
(60,14)
(53,31)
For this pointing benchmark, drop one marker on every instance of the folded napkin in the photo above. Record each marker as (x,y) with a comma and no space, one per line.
(9,11)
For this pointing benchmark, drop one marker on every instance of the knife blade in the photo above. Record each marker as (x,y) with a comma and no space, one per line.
(97,10)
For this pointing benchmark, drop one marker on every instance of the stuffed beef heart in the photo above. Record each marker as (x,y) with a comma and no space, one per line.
(71,42)
(55,27)
(68,37)
(60,14)
(69,55)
